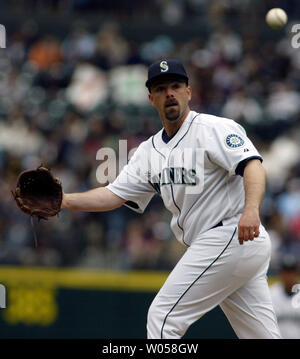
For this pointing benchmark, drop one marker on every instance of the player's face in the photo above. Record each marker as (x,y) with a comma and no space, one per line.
(170,98)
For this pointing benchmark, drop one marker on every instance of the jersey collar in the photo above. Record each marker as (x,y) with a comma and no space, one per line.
(165,139)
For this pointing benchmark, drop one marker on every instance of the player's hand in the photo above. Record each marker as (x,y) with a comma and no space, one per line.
(248,227)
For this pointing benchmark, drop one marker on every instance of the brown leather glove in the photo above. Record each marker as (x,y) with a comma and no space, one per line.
(38,193)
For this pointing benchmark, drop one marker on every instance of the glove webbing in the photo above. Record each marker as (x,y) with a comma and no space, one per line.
(34,232)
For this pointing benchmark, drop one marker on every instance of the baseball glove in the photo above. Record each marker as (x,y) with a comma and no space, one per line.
(38,193)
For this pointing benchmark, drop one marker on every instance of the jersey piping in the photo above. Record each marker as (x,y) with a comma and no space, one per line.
(190,286)
(156,148)
(179,209)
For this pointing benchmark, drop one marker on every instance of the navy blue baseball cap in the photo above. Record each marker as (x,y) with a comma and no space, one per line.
(164,68)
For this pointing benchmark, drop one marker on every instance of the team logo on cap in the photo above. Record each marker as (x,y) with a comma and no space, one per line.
(164,66)
(234,141)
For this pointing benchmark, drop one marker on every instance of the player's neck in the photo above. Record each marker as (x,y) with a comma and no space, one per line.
(172,127)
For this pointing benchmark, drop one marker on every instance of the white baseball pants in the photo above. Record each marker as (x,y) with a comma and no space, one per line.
(217,270)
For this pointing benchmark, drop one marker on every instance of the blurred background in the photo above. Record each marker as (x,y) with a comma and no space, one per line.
(71,82)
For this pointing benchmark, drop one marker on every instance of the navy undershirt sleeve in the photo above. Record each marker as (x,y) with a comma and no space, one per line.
(241,166)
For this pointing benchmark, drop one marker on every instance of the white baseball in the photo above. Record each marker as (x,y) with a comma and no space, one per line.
(276,18)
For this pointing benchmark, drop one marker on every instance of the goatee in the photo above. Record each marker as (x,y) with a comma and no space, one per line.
(172,115)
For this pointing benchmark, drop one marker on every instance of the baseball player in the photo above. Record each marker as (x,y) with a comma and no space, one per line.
(286,298)
(210,177)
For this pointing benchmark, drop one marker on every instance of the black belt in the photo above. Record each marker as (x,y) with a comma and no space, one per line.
(220,224)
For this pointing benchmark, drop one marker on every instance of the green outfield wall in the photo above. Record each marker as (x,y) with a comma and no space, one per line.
(72,303)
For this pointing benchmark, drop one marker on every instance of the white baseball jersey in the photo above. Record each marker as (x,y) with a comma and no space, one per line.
(196,172)
(287,312)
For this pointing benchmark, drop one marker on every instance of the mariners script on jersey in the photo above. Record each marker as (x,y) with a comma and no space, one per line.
(194,172)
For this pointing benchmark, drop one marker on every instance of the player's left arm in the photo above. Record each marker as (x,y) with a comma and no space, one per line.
(254,186)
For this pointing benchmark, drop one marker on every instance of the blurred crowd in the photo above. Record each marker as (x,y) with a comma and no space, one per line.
(62,98)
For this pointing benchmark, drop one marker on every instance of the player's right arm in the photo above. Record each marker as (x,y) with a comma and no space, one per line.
(130,188)
(96,200)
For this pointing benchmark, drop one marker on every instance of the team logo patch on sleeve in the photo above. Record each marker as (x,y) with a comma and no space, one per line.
(234,141)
